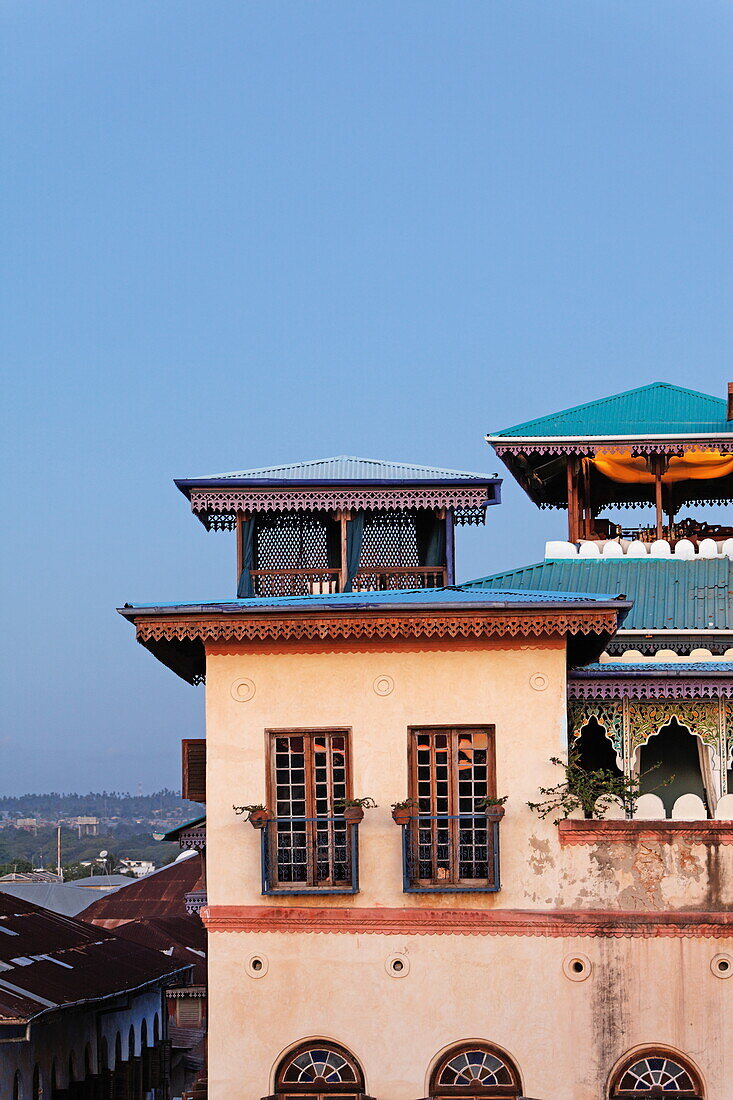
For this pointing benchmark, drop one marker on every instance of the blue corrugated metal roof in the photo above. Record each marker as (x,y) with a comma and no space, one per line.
(461,595)
(349,469)
(658,409)
(646,668)
(667,595)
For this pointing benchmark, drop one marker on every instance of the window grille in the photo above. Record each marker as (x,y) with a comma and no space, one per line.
(318,1070)
(657,1074)
(475,1072)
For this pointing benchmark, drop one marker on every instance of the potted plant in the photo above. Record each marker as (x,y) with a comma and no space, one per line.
(353,808)
(494,807)
(257,814)
(590,790)
(403,812)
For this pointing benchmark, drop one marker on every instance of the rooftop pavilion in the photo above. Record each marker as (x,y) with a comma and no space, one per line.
(658,445)
(342,524)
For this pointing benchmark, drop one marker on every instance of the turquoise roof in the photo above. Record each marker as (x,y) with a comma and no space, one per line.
(348,468)
(659,409)
(465,595)
(667,595)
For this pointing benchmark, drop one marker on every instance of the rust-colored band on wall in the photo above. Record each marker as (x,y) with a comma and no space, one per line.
(601,832)
(440,922)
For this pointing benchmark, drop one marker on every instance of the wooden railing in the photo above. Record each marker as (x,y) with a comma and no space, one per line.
(379,579)
(303,582)
(294,582)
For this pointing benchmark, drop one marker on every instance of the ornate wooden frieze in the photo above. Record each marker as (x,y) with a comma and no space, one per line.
(702,717)
(587,448)
(668,687)
(415,921)
(218,507)
(608,714)
(243,628)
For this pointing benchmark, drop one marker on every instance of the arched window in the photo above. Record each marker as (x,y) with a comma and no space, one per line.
(474,1071)
(656,1074)
(319,1070)
(17,1087)
(37,1085)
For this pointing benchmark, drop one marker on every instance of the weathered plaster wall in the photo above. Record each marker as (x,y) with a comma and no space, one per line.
(565,1036)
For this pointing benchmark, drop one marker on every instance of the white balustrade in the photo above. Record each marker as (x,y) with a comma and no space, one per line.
(649,807)
(689,807)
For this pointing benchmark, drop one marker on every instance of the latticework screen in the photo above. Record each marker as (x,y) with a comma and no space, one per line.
(389,540)
(292,541)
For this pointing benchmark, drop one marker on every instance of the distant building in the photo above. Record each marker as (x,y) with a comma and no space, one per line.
(138,867)
(152,912)
(28,823)
(85,826)
(82,1011)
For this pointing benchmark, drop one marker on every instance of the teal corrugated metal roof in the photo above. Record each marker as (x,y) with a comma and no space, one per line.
(348,468)
(667,595)
(657,409)
(458,595)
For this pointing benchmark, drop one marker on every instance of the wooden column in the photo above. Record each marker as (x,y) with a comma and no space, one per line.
(573,503)
(240,518)
(658,464)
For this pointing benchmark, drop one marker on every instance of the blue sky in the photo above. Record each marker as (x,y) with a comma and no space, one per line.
(239,233)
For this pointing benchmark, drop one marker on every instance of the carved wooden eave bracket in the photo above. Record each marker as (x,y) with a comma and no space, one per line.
(486,922)
(179,640)
(587,448)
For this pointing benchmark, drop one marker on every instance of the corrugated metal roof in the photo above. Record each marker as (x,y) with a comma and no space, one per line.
(49,961)
(667,595)
(474,593)
(59,897)
(349,469)
(160,894)
(657,409)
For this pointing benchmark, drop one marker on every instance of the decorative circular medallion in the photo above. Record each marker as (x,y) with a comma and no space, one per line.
(539,681)
(577,967)
(722,966)
(397,966)
(257,966)
(243,690)
(383,685)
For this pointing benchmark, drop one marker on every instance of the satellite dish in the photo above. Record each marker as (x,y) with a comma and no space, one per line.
(104,854)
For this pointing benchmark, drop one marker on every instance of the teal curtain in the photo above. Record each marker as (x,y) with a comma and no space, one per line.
(354,539)
(430,534)
(245,588)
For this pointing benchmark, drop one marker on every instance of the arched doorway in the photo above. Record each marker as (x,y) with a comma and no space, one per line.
(475,1071)
(669,765)
(320,1070)
(656,1073)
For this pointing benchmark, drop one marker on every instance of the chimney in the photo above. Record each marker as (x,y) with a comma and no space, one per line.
(730,400)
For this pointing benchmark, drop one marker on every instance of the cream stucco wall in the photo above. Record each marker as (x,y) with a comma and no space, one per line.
(432,686)
(565,1036)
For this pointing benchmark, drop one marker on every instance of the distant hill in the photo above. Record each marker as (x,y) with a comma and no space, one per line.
(104,805)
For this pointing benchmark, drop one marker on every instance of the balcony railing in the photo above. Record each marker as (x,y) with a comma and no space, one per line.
(295,582)
(378,579)
(318,582)
(310,855)
(456,852)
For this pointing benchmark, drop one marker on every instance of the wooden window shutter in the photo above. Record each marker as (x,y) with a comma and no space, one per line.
(193,785)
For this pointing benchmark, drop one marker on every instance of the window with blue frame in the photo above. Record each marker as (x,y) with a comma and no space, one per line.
(450,843)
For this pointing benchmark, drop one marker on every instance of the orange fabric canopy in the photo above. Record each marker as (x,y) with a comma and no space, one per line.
(693,466)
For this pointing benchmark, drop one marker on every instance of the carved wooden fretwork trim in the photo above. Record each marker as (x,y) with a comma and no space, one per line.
(608,714)
(318,628)
(486,922)
(675,687)
(231,501)
(702,717)
(580,447)
(631,832)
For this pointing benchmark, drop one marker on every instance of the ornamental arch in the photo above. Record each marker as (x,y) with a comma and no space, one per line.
(655,1072)
(474,1070)
(319,1069)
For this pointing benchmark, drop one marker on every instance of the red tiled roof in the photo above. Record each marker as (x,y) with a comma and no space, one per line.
(48,960)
